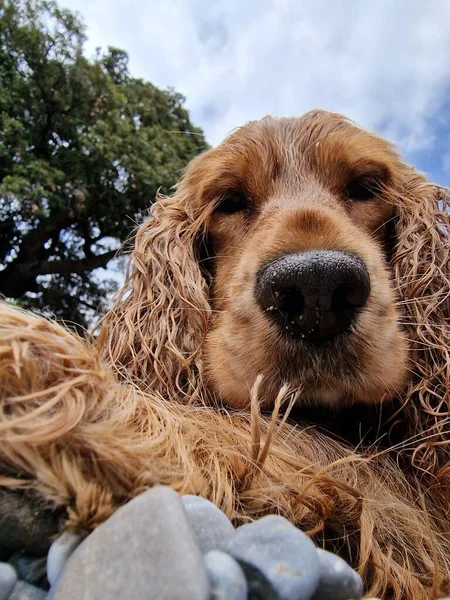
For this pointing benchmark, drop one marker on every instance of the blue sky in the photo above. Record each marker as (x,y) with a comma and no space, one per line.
(383,63)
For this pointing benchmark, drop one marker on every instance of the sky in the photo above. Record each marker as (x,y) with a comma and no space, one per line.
(383,63)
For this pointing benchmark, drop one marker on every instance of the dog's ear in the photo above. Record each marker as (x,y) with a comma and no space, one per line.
(390,230)
(421,267)
(155,332)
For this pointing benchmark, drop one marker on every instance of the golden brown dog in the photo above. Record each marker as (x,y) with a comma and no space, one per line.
(299,274)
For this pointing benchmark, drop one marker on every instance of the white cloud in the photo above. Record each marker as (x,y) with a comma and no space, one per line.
(385,64)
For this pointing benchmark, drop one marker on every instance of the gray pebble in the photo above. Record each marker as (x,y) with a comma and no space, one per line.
(8,578)
(51,594)
(25,591)
(59,553)
(30,569)
(274,553)
(145,551)
(226,576)
(338,581)
(25,524)
(211,527)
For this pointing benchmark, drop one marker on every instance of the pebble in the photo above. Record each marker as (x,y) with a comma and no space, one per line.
(30,569)
(338,581)
(25,525)
(59,554)
(211,526)
(275,554)
(8,578)
(145,551)
(226,576)
(161,546)
(25,591)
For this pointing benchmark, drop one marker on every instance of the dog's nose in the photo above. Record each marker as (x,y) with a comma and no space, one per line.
(314,295)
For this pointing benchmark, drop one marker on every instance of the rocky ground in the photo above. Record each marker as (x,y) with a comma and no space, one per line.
(161,546)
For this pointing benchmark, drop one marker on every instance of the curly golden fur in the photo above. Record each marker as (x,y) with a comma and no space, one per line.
(190,385)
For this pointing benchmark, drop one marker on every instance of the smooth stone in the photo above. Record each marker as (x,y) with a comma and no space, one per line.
(211,526)
(338,581)
(25,524)
(25,591)
(145,551)
(274,553)
(226,576)
(59,554)
(8,579)
(30,569)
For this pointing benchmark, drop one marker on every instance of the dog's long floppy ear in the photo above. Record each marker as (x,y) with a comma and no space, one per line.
(421,266)
(154,333)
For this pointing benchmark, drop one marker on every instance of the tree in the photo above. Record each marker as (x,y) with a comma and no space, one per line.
(83,149)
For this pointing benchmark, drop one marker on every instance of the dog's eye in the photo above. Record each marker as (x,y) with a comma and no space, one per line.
(232,202)
(363,188)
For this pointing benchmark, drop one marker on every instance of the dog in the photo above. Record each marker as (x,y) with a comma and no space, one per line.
(280,344)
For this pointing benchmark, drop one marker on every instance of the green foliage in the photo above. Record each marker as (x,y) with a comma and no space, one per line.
(83,149)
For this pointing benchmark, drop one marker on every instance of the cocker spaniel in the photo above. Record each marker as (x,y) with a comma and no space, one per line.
(281,343)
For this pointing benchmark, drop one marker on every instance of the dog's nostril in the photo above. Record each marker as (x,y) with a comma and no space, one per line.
(348,297)
(291,302)
(314,295)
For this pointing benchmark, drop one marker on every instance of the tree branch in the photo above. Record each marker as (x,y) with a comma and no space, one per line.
(68,266)
(31,242)
(17,279)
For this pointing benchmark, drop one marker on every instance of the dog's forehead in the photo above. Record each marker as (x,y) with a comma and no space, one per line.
(295,131)
(314,141)
(316,133)
(319,145)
